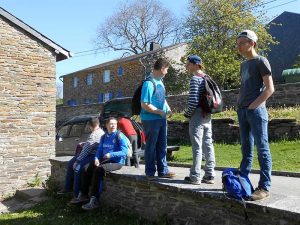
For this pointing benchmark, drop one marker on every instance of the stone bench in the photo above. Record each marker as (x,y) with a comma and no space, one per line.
(180,203)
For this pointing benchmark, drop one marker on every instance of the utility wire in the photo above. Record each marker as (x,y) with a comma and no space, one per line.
(96,50)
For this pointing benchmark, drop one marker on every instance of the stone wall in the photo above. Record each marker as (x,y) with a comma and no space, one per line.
(27,107)
(284,95)
(130,192)
(64,113)
(225,130)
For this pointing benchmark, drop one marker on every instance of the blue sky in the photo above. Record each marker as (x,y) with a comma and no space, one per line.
(73,23)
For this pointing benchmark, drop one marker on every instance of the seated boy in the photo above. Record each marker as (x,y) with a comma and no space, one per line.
(86,155)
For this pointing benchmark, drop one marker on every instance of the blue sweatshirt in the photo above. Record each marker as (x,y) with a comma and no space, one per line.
(117,149)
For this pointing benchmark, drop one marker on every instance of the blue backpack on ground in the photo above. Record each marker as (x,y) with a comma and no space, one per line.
(236,185)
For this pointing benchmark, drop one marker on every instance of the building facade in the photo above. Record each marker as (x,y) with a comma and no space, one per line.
(27,102)
(117,78)
(286,30)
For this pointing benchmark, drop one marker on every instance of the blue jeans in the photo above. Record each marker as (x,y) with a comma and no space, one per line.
(156,146)
(254,129)
(73,176)
(200,132)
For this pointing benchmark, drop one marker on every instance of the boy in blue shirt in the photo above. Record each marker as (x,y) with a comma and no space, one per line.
(110,156)
(154,109)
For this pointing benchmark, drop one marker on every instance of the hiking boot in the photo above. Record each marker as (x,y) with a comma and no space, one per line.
(167,175)
(79,199)
(208,180)
(64,192)
(260,194)
(93,204)
(190,181)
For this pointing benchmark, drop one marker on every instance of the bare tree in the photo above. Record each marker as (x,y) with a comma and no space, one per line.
(135,25)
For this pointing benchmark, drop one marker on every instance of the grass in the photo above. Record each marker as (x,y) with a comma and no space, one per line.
(274,113)
(55,211)
(285,155)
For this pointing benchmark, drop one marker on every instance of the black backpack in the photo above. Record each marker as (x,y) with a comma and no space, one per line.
(136,98)
(211,99)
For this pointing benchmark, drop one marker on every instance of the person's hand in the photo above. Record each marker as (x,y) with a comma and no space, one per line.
(162,113)
(169,113)
(97,163)
(106,156)
(75,165)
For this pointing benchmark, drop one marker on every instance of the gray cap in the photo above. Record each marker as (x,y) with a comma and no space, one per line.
(248,34)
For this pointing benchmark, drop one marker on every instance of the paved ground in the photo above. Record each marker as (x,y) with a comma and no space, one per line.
(285,191)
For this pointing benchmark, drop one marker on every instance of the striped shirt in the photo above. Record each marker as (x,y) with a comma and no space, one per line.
(91,144)
(197,87)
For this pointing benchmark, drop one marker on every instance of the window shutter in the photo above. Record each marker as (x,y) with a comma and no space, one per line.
(100,97)
(111,95)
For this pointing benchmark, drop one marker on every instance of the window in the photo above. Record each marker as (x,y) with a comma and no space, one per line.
(64,131)
(76,130)
(89,79)
(75,82)
(87,129)
(87,101)
(120,71)
(72,102)
(106,76)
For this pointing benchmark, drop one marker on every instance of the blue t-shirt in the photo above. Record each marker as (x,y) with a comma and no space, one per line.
(252,72)
(158,99)
(108,144)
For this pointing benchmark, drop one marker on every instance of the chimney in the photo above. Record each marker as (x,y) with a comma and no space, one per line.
(154,46)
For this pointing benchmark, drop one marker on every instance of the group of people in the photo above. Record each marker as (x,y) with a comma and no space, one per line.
(256,87)
(105,152)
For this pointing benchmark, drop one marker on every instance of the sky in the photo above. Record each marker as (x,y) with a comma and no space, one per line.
(73,23)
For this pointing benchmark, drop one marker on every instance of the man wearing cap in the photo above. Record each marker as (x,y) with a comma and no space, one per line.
(200,130)
(256,87)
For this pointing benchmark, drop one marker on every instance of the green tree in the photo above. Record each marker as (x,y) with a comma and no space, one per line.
(212,28)
(297,62)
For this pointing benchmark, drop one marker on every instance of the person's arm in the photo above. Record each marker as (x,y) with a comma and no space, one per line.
(99,152)
(194,95)
(152,109)
(269,90)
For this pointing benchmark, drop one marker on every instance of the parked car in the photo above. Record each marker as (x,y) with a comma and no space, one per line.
(76,130)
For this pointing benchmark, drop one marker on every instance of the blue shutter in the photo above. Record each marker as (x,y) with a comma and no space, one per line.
(120,71)
(119,94)
(101,97)
(111,95)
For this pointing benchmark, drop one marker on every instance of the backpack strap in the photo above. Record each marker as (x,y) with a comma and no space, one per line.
(151,79)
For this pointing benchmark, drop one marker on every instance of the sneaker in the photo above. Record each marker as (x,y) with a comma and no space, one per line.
(168,175)
(260,194)
(64,192)
(150,177)
(93,204)
(208,180)
(190,181)
(79,199)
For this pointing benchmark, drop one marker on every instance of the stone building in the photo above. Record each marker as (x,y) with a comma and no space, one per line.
(117,78)
(27,102)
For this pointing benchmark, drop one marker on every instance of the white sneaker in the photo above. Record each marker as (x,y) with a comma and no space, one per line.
(93,204)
